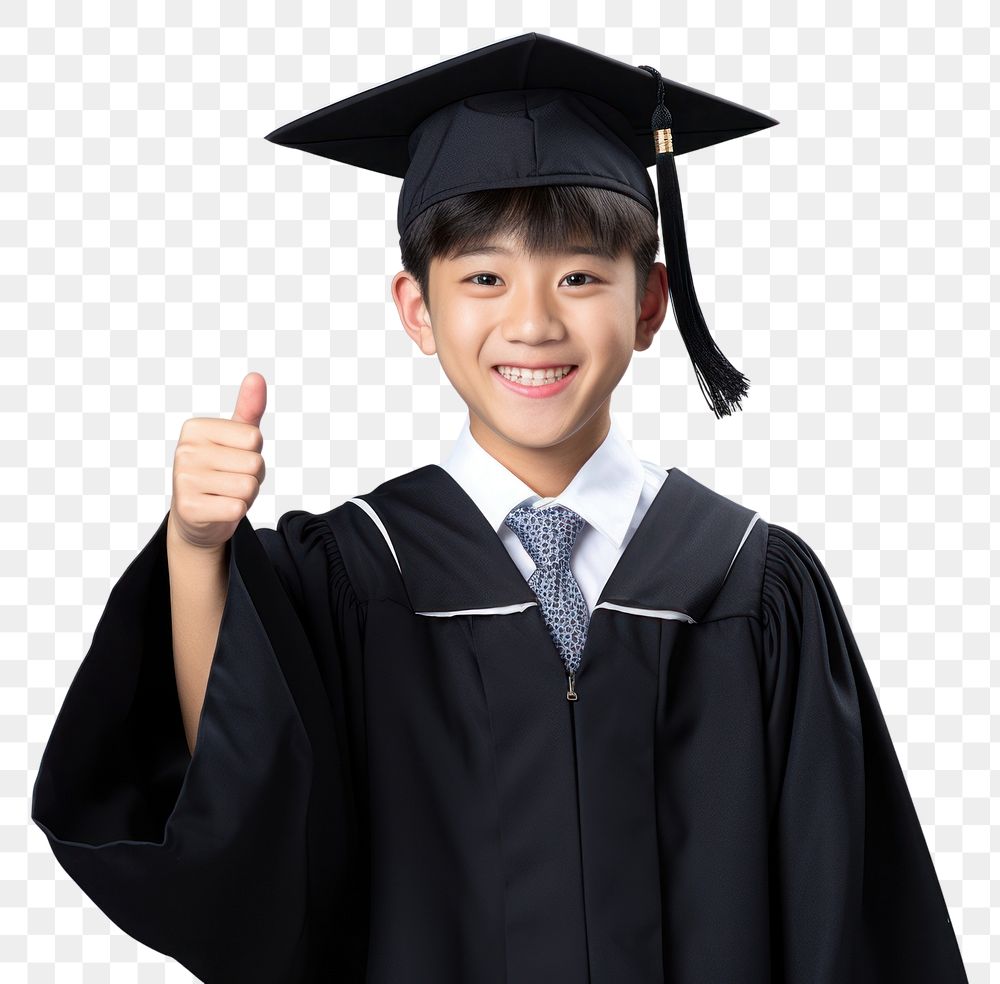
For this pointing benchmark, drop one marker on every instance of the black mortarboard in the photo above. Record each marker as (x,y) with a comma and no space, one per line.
(534,110)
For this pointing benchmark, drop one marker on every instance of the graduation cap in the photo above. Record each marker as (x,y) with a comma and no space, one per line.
(535,110)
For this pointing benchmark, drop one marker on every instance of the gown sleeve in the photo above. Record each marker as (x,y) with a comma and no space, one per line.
(211,858)
(855,896)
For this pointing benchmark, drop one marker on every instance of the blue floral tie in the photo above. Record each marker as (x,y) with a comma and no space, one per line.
(548,534)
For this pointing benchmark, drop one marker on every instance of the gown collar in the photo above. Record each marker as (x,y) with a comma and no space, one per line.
(452,560)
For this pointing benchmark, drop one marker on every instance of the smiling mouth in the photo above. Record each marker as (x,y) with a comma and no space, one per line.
(534,377)
(539,384)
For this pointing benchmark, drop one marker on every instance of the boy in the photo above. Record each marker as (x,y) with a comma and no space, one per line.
(542,713)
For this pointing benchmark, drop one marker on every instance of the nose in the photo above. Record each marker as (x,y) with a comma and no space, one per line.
(531,318)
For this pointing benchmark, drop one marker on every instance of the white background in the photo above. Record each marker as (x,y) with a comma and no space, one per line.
(154,248)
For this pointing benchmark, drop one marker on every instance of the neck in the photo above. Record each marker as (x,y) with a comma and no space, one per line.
(545,470)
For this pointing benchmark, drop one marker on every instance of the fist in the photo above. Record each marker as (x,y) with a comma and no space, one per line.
(218,469)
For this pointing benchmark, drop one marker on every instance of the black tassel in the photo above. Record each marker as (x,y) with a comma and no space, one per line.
(722,384)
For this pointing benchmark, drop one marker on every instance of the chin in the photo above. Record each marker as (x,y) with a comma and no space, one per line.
(529,433)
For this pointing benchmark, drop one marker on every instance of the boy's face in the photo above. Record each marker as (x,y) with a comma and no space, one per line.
(505,308)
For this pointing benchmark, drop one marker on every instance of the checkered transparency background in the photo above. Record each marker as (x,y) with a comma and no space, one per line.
(154,248)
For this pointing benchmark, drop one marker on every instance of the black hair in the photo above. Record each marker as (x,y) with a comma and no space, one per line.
(542,218)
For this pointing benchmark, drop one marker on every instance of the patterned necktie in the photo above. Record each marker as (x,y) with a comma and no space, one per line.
(548,534)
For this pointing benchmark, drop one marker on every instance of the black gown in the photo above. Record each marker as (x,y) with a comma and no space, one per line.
(383,795)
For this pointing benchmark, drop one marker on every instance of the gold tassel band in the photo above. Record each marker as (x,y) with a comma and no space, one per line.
(664,141)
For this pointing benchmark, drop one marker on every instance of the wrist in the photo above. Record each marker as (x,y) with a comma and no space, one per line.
(177,545)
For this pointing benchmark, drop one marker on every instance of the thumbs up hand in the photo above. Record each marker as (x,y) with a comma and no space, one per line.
(218,470)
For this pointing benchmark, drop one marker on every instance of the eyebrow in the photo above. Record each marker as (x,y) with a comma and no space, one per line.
(565,251)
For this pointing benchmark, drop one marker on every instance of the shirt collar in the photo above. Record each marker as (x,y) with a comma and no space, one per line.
(605,491)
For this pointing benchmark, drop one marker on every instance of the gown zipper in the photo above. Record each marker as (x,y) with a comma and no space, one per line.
(571,695)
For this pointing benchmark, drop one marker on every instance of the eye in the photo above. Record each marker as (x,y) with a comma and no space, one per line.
(592,277)
(474,277)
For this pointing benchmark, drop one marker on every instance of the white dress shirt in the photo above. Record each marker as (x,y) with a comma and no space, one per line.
(611,491)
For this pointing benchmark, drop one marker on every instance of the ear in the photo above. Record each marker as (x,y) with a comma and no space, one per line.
(652,308)
(413,311)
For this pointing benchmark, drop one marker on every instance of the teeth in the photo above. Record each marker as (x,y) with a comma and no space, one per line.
(533,377)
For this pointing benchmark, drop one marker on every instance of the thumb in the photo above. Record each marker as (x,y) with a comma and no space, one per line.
(252,399)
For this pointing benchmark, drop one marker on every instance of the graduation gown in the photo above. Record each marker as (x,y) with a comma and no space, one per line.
(390,785)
